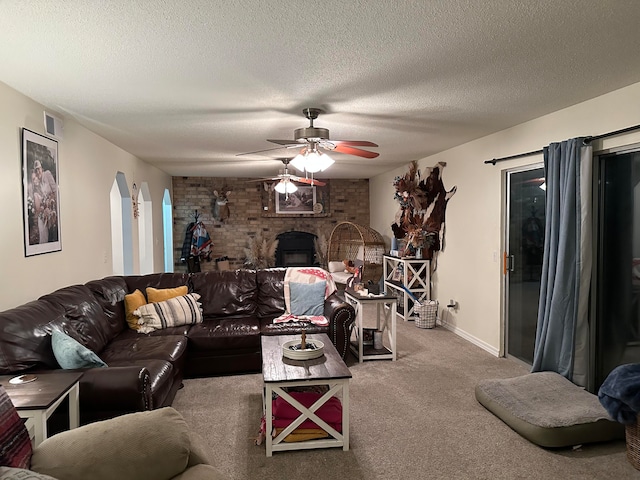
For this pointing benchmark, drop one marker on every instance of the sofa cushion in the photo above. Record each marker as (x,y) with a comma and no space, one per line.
(143,445)
(132,302)
(307,298)
(225,334)
(26,336)
(109,292)
(170,348)
(225,293)
(162,294)
(180,330)
(15,444)
(156,280)
(270,291)
(70,354)
(184,310)
(84,318)
(336,266)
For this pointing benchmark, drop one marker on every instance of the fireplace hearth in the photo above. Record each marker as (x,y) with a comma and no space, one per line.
(295,249)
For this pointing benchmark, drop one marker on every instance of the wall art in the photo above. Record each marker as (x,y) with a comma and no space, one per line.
(41,196)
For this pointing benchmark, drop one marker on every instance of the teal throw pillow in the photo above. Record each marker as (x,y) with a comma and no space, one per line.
(71,354)
(307,298)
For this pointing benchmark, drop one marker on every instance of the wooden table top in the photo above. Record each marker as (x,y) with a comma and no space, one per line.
(277,368)
(43,392)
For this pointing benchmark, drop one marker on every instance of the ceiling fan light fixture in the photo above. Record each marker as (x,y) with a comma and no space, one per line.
(317,162)
(326,161)
(285,187)
(299,162)
(313,162)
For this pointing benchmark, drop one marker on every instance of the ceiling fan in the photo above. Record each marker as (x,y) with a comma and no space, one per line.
(286,183)
(314,138)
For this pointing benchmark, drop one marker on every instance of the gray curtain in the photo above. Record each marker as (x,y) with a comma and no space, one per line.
(562,331)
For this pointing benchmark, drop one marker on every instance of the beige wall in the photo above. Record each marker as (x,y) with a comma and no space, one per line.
(88,165)
(469,269)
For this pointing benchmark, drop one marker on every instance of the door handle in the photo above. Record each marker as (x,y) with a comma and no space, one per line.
(508,263)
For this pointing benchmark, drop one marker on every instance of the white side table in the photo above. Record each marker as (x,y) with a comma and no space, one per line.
(412,273)
(36,401)
(386,306)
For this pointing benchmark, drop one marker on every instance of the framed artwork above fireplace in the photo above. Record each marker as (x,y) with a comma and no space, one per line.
(300,201)
(314,204)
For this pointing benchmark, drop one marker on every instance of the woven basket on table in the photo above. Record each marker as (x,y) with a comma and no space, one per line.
(425,315)
(633,444)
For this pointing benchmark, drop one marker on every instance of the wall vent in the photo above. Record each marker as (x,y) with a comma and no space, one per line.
(53,126)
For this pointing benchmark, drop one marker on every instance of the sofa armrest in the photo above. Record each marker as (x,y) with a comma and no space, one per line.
(124,389)
(341,316)
(154,444)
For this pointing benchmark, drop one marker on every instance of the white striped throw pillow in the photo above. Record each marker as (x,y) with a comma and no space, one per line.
(183,310)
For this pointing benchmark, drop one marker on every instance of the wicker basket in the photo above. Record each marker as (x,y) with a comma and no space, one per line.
(426,314)
(633,444)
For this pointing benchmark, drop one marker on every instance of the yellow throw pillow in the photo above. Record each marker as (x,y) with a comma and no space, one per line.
(155,295)
(132,302)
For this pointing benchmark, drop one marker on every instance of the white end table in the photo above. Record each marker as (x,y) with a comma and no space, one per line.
(36,401)
(386,306)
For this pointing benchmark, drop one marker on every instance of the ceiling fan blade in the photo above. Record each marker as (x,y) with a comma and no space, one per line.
(355,143)
(287,143)
(265,179)
(308,181)
(259,151)
(355,151)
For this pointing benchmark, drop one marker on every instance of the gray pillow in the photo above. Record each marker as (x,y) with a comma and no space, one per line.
(307,298)
(71,354)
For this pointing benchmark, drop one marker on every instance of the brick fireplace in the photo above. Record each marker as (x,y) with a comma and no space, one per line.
(295,249)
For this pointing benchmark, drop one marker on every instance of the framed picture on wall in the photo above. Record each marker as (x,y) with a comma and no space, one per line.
(300,201)
(41,198)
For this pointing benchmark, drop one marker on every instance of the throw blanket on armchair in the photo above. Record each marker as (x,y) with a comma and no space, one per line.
(620,393)
(308,276)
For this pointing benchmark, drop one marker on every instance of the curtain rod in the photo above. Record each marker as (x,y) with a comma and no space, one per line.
(586,141)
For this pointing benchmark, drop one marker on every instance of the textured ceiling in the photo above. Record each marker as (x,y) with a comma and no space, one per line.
(187,85)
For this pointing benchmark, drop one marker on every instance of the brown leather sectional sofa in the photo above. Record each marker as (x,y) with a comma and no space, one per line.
(145,370)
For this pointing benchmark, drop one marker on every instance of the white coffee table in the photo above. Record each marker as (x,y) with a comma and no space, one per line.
(279,373)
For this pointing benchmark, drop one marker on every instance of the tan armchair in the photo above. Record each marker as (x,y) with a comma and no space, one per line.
(153,445)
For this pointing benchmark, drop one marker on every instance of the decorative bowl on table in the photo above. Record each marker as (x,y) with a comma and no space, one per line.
(294,351)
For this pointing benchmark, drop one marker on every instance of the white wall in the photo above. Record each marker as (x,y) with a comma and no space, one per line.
(87,167)
(469,269)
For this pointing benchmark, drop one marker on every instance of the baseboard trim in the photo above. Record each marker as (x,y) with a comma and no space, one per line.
(470,338)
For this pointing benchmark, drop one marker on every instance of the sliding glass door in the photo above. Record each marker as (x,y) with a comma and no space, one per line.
(524,243)
(617,277)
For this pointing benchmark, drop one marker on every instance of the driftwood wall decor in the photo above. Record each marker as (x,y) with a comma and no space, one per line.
(421,217)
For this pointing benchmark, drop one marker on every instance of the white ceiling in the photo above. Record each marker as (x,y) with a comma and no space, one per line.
(188,84)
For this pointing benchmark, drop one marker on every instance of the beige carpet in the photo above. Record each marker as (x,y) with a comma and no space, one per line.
(416,418)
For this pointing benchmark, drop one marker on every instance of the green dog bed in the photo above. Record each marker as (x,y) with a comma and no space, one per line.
(548,410)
